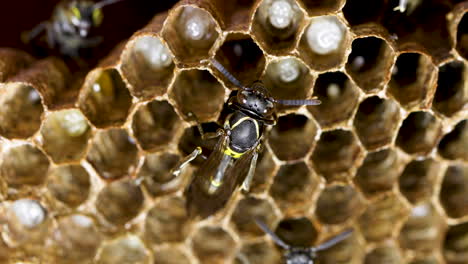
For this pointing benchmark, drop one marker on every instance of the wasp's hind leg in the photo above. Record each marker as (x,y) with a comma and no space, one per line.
(28,36)
(185,161)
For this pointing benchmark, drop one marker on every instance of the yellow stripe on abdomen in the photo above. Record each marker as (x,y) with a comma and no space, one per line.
(228,151)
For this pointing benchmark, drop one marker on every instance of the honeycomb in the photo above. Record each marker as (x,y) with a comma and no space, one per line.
(85,162)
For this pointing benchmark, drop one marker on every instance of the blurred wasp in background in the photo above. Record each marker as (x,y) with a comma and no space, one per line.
(69,29)
(234,158)
(298,255)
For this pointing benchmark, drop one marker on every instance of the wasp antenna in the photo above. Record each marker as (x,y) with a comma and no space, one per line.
(106,2)
(268,231)
(227,74)
(299,102)
(330,243)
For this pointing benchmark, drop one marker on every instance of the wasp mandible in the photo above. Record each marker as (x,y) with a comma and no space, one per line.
(69,28)
(298,255)
(234,158)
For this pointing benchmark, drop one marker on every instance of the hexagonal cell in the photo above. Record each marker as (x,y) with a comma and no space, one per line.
(288,78)
(113,153)
(70,184)
(126,249)
(147,65)
(412,78)
(292,187)
(212,244)
(418,179)
(65,135)
(462,37)
(292,137)
(451,94)
(422,230)
(258,252)
(191,139)
(21,110)
(170,255)
(453,191)
(320,7)
(264,170)
(383,215)
(339,98)
(167,221)
(335,154)
(376,121)
(345,252)
(378,172)
(241,56)
(337,204)
(113,201)
(155,124)
(384,255)
(23,165)
(323,44)
(454,247)
(156,175)
(297,232)
(369,63)
(277,24)
(190,33)
(199,93)
(247,210)
(419,133)
(105,99)
(454,145)
(69,243)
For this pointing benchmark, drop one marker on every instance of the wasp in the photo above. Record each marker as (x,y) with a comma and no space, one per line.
(68,31)
(299,255)
(233,160)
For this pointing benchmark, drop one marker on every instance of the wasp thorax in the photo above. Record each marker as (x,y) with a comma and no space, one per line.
(325,35)
(154,52)
(280,14)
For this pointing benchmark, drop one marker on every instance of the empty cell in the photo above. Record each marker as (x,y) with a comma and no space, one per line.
(155,124)
(359,12)
(293,187)
(384,255)
(413,77)
(191,139)
(277,24)
(23,165)
(258,252)
(376,122)
(156,173)
(147,65)
(65,135)
(213,244)
(345,252)
(70,184)
(419,133)
(462,37)
(190,33)
(249,209)
(126,249)
(422,230)
(378,173)
(104,98)
(453,191)
(113,153)
(369,63)
(336,154)
(197,92)
(20,110)
(337,204)
(418,179)
(68,242)
(321,7)
(292,137)
(324,43)
(452,92)
(167,221)
(454,145)
(170,255)
(241,56)
(297,232)
(339,98)
(113,201)
(383,215)
(454,246)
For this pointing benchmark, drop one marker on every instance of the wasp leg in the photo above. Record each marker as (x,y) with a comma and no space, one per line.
(92,42)
(26,37)
(185,161)
(248,180)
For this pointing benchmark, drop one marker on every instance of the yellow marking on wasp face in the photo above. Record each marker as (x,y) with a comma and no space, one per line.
(97,16)
(228,151)
(76,12)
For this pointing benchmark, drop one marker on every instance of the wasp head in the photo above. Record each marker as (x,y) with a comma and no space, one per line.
(83,16)
(299,256)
